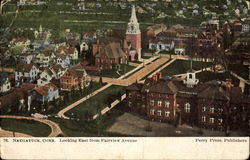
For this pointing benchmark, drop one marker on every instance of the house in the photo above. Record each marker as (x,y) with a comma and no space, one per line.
(20,41)
(47,93)
(45,77)
(57,71)
(89,36)
(84,47)
(45,58)
(26,73)
(180,48)
(112,54)
(70,51)
(152,31)
(161,45)
(74,78)
(17,99)
(26,58)
(63,60)
(5,85)
(208,105)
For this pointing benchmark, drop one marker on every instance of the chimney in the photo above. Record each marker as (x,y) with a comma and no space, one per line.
(159,75)
(155,78)
(228,83)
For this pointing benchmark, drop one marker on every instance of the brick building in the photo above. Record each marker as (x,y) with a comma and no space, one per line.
(75,77)
(214,104)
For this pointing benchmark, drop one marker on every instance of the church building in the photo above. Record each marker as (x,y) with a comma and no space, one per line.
(133,37)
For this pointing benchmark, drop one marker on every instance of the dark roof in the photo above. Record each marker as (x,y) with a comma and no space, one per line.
(236,94)
(24,67)
(57,67)
(214,92)
(3,77)
(77,71)
(47,70)
(135,86)
(163,86)
(43,90)
(112,50)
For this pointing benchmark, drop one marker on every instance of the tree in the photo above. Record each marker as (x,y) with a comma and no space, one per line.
(2,3)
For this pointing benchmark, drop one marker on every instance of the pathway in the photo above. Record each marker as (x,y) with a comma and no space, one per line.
(119,81)
(55,129)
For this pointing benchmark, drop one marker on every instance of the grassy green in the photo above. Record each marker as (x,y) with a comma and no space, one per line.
(90,128)
(97,102)
(30,127)
(181,66)
(113,74)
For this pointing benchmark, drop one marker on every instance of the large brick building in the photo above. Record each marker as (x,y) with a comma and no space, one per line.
(213,104)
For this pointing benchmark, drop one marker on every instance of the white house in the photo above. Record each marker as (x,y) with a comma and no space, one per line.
(180,49)
(26,58)
(161,45)
(45,58)
(26,73)
(20,41)
(5,85)
(57,71)
(84,46)
(47,93)
(63,60)
(71,51)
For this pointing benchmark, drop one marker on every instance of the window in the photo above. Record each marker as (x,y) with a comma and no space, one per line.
(204,109)
(138,96)
(220,120)
(130,104)
(159,103)
(167,113)
(203,119)
(143,98)
(212,109)
(187,108)
(129,95)
(138,104)
(152,102)
(8,87)
(159,112)
(220,109)
(167,104)
(190,76)
(143,106)
(152,112)
(211,120)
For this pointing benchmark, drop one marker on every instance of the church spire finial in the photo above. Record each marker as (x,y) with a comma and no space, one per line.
(133,18)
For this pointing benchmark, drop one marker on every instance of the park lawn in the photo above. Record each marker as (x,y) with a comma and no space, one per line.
(76,95)
(30,127)
(181,66)
(125,68)
(97,102)
(90,128)
(240,70)
(208,76)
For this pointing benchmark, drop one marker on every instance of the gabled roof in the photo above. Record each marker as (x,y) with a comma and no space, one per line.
(163,86)
(77,71)
(112,50)
(48,71)
(57,67)
(24,67)
(43,90)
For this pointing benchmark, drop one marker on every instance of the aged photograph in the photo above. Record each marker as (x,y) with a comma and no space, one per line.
(124,68)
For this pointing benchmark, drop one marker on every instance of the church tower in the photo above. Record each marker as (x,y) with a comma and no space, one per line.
(133,35)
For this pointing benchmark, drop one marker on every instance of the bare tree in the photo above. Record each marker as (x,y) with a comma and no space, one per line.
(2,3)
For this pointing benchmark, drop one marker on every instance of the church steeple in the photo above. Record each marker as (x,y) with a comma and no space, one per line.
(133,25)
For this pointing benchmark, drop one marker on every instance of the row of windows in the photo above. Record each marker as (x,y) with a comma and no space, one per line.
(211,120)
(160,103)
(152,95)
(211,109)
(159,112)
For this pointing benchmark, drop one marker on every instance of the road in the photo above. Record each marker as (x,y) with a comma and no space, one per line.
(119,81)
(55,129)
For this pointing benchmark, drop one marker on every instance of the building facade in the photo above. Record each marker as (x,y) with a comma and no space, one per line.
(133,36)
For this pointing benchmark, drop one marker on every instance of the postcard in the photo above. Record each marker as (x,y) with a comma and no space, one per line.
(124,79)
